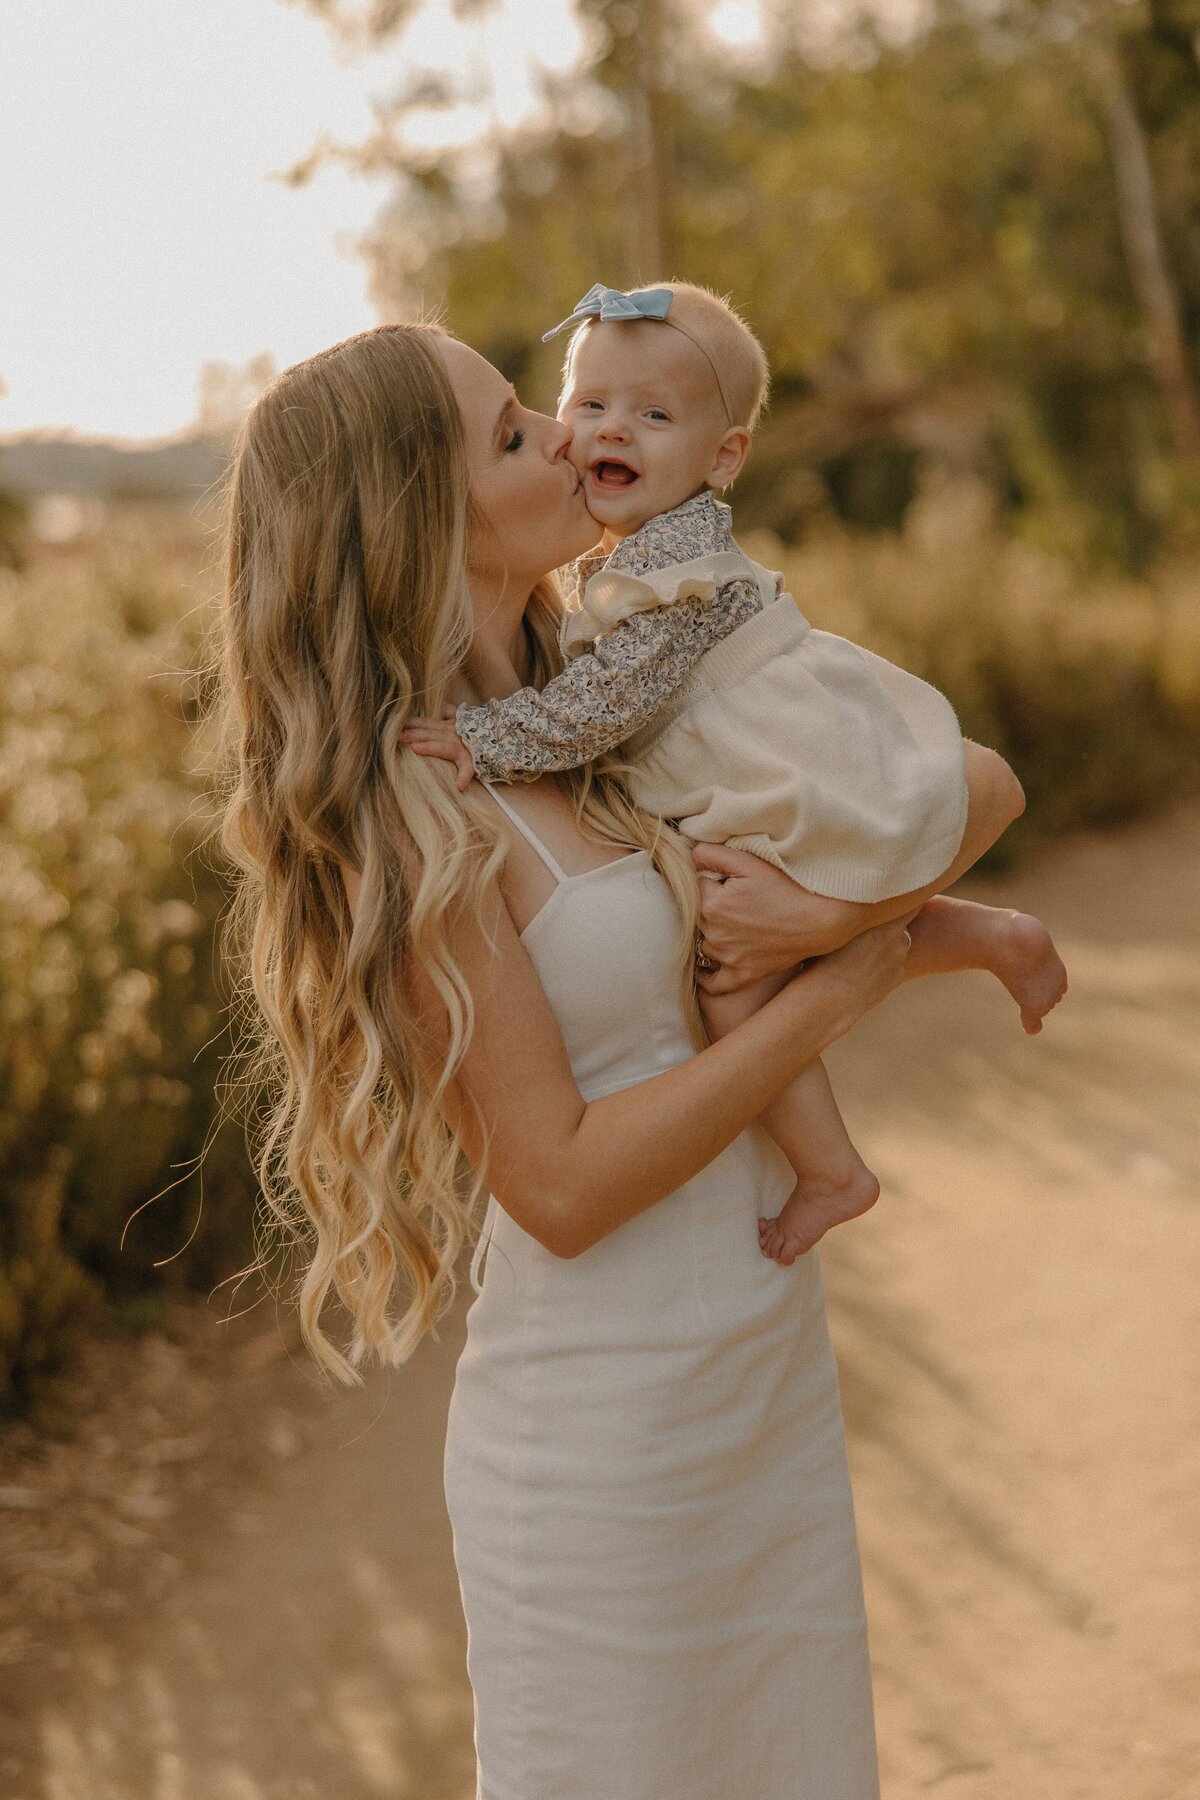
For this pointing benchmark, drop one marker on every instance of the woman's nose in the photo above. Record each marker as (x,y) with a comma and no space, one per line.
(559,439)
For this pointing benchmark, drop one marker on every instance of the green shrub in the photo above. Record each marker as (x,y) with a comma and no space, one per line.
(110,1019)
(1088,683)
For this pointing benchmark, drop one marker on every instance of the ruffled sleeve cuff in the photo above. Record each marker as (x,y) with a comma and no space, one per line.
(611,596)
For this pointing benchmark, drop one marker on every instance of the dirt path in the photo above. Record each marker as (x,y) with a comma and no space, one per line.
(1018,1333)
(1017,1330)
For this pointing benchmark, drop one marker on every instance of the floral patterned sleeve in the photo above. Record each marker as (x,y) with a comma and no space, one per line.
(603,697)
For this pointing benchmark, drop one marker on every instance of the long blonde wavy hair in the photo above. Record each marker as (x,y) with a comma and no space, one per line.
(345,608)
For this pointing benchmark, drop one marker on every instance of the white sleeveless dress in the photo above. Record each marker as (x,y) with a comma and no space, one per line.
(645,1470)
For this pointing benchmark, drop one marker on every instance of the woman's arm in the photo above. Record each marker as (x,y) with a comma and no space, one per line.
(758,921)
(570,1171)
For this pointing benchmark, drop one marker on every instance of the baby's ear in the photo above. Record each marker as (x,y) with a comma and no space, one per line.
(729,456)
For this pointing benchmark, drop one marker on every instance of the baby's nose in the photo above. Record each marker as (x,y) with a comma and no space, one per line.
(612,427)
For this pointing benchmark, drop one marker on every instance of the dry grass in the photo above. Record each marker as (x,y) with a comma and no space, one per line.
(107,991)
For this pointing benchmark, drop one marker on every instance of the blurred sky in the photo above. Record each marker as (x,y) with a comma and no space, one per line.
(140,234)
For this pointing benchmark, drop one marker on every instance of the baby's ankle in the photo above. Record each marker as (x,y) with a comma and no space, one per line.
(851,1183)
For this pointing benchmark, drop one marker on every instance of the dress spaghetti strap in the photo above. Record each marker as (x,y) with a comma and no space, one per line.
(529,834)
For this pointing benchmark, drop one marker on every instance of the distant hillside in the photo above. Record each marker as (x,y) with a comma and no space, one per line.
(178,469)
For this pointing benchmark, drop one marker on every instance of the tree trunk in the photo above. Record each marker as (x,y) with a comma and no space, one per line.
(1138,217)
(648,202)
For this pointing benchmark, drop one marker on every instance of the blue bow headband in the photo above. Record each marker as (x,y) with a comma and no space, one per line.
(608,304)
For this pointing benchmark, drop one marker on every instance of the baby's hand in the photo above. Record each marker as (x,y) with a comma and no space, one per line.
(437,737)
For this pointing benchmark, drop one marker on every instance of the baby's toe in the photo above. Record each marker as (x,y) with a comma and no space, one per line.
(772,1239)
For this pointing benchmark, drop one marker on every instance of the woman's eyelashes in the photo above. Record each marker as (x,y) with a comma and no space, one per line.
(515,441)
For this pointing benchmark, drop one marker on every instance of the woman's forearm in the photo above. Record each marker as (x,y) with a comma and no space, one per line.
(630,1149)
(569,1171)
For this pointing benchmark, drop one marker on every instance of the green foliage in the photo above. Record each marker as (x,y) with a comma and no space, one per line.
(925,233)
(1088,685)
(110,1018)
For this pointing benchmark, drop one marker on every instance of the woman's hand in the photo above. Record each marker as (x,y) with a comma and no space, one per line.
(437,737)
(756,921)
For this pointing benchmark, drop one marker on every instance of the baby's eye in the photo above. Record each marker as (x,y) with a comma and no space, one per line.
(515,441)
(586,405)
(656,413)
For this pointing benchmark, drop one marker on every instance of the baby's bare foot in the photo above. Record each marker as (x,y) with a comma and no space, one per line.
(1029,966)
(814,1204)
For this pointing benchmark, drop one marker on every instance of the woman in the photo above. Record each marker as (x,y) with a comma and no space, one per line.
(645,1470)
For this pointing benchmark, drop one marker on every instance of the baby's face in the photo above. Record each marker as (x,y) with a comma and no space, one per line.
(646,420)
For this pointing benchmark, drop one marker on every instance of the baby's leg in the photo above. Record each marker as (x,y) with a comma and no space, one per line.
(949,934)
(832,1181)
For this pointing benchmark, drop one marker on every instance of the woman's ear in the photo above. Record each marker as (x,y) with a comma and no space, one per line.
(730,454)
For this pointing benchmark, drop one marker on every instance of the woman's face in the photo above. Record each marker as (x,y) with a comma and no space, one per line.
(530,500)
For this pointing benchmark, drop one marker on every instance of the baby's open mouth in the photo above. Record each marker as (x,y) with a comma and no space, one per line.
(606,472)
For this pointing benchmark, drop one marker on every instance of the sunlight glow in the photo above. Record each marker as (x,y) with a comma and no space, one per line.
(737,23)
(142,232)
(499,55)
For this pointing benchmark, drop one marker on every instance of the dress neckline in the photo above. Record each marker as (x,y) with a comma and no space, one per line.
(565,881)
(542,850)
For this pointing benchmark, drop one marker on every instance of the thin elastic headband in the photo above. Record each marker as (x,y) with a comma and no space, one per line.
(612,305)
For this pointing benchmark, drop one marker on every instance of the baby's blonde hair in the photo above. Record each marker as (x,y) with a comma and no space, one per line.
(725,337)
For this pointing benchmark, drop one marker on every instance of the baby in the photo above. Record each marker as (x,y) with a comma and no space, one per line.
(737,720)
